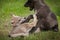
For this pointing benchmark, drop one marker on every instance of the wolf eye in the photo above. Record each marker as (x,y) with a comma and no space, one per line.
(12,23)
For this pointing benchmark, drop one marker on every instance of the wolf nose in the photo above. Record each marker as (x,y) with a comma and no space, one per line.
(9,36)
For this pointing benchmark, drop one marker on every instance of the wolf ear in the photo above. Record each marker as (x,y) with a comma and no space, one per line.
(12,15)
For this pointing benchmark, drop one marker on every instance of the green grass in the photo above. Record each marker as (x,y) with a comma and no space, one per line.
(8,7)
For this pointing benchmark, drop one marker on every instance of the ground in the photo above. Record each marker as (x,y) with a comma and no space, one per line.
(8,7)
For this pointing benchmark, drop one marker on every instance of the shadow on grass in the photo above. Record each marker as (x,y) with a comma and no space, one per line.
(38,36)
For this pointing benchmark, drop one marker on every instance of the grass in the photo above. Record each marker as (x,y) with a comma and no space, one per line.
(8,7)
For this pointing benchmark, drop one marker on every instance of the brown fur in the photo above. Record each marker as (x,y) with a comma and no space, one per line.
(21,29)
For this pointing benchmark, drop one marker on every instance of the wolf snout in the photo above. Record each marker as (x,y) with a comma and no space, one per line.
(9,35)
